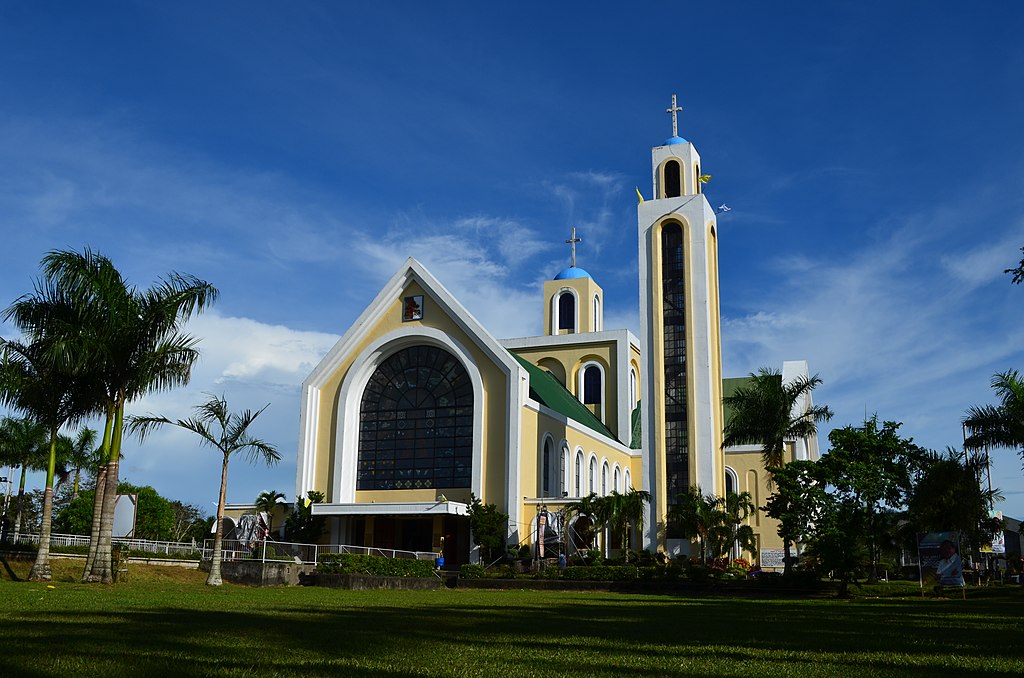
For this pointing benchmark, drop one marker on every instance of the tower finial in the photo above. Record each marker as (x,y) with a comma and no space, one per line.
(675,109)
(572,241)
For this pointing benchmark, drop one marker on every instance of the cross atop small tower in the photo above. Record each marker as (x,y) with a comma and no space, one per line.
(572,241)
(675,109)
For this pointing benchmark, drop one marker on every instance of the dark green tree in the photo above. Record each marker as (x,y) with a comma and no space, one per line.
(870,468)
(948,497)
(301,526)
(266,502)
(798,498)
(734,510)
(490,529)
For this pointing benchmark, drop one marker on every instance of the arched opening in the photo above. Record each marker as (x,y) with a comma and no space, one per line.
(617,479)
(416,423)
(580,469)
(592,385)
(673,179)
(673,287)
(597,313)
(604,479)
(567,312)
(563,474)
(628,480)
(592,476)
(547,459)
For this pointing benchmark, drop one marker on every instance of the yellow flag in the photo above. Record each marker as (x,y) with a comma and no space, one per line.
(705,178)
(308,502)
(639,196)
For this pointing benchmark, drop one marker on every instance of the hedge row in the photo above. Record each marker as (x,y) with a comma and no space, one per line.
(376,566)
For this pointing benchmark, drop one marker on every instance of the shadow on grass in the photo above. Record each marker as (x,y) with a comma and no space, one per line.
(447,633)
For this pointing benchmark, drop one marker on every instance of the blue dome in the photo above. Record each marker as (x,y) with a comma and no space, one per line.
(572,272)
(672,141)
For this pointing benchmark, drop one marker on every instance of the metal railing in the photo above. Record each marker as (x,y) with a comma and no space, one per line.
(233,549)
(164,547)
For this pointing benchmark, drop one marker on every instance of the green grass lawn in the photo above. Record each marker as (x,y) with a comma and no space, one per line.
(165,621)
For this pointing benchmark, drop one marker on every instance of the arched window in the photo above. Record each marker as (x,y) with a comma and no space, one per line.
(416,423)
(564,471)
(592,476)
(604,478)
(592,385)
(617,479)
(673,180)
(696,178)
(633,388)
(567,311)
(731,482)
(673,286)
(580,470)
(546,462)
(628,481)
(597,313)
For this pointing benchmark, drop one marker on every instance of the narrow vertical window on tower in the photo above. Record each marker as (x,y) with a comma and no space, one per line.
(673,288)
(545,488)
(597,313)
(567,312)
(673,179)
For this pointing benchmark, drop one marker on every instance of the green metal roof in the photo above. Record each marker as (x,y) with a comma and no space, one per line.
(547,390)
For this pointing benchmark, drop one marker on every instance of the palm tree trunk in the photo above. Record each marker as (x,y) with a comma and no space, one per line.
(215,579)
(787,559)
(97,501)
(41,568)
(103,567)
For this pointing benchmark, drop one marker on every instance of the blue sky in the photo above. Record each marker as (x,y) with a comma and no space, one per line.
(295,155)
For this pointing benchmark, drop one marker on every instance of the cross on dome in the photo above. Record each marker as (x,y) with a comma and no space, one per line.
(674,110)
(572,242)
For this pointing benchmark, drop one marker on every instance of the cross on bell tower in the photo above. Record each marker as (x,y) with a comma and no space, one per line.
(674,110)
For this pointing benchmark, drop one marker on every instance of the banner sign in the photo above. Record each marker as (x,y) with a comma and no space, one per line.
(772,558)
(939,554)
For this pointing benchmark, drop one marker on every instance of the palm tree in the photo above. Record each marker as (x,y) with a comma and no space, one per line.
(83,454)
(266,502)
(767,412)
(626,511)
(225,432)
(697,515)
(23,444)
(131,343)
(734,510)
(37,380)
(999,425)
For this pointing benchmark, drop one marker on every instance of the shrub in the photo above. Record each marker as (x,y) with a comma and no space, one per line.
(602,573)
(469,571)
(377,566)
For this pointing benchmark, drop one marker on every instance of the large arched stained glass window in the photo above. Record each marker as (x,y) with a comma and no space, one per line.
(416,423)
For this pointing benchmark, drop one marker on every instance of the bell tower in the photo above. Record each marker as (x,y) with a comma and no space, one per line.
(573,302)
(680,335)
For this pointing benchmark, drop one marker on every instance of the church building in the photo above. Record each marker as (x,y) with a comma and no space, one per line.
(417,407)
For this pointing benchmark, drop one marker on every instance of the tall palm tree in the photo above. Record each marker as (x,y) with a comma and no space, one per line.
(22,444)
(228,434)
(132,343)
(999,425)
(766,412)
(266,502)
(35,380)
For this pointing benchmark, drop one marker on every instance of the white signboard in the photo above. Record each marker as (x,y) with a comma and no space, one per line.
(772,558)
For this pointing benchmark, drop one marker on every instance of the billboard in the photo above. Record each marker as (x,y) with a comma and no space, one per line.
(939,554)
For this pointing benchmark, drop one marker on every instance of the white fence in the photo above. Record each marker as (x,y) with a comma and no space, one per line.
(232,549)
